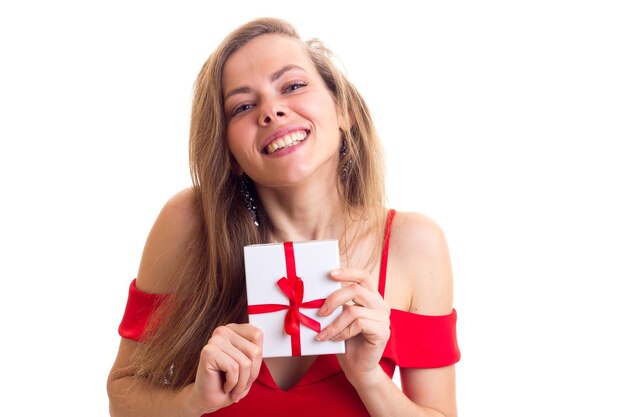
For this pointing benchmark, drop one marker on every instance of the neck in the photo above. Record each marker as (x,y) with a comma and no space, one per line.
(303,212)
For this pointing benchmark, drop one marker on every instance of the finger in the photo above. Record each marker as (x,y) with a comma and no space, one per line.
(354,292)
(359,276)
(351,319)
(247,338)
(243,368)
(373,330)
(247,331)
(252,346)
(216,359)
(243,351)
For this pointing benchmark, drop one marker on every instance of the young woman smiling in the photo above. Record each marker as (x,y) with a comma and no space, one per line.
(283,148)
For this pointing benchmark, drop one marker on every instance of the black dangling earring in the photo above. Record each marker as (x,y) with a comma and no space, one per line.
(343,152)
(344,148)
(248,198)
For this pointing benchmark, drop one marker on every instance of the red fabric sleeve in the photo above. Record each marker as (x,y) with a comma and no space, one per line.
(139,308)
(418,341)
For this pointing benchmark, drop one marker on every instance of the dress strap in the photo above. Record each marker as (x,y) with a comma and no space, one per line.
(383,260)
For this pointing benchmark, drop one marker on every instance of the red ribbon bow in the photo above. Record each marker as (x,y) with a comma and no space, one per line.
(293,287)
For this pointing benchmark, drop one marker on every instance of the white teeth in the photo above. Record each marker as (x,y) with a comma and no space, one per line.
(289,139)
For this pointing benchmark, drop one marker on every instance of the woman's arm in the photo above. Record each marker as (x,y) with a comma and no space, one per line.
(419,264)
(131,396)
(427,393)
(228,363)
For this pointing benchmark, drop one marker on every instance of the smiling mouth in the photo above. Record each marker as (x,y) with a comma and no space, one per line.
(290,139)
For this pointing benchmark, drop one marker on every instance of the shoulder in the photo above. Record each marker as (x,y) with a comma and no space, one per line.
(167,241)
(416,234)
(181,208)
(419,252)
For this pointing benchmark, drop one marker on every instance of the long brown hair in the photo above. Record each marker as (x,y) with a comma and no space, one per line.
(210,287)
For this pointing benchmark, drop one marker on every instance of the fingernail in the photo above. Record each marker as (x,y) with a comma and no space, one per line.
(323,309)
(336,337)
(322,335)
(336,272)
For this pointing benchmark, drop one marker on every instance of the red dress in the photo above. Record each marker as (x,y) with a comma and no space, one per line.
(416,341)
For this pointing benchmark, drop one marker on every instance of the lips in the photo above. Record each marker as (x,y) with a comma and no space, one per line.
(291,138)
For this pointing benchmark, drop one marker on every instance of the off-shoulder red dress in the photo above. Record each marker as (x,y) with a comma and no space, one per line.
(416,341)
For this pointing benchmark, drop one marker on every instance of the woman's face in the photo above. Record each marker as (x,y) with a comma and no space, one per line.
(281,120)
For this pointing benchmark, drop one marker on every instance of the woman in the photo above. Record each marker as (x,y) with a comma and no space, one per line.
(282,148)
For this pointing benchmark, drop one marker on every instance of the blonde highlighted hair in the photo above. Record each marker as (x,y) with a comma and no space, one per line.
(211,285)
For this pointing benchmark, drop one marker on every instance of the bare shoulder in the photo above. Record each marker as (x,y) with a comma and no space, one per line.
(421,260)
(172,231)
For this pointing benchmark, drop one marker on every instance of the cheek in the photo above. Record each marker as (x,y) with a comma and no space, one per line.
(231,143)
(323,110)
(240,143)
(234,146)
(331,113)
(235,136)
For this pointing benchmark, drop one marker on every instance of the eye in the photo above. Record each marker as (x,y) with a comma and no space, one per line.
(241,108)
(295,85)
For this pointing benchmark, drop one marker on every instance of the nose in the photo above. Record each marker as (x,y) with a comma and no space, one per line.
(270,112)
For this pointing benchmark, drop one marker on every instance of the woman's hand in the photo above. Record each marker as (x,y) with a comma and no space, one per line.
(229,363)
(363,324)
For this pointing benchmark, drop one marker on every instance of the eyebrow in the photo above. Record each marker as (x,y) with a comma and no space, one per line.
(275,76)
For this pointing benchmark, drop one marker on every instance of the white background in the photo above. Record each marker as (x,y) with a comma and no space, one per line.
(501,120)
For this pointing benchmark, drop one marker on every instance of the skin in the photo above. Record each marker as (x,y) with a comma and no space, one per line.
(296,99)
(298,190)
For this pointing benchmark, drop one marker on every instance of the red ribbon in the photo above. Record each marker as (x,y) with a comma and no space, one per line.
(293,287)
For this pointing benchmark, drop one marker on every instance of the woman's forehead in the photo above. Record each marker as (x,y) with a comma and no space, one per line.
(262,57)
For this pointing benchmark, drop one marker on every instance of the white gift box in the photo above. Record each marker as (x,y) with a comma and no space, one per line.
(265,266)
